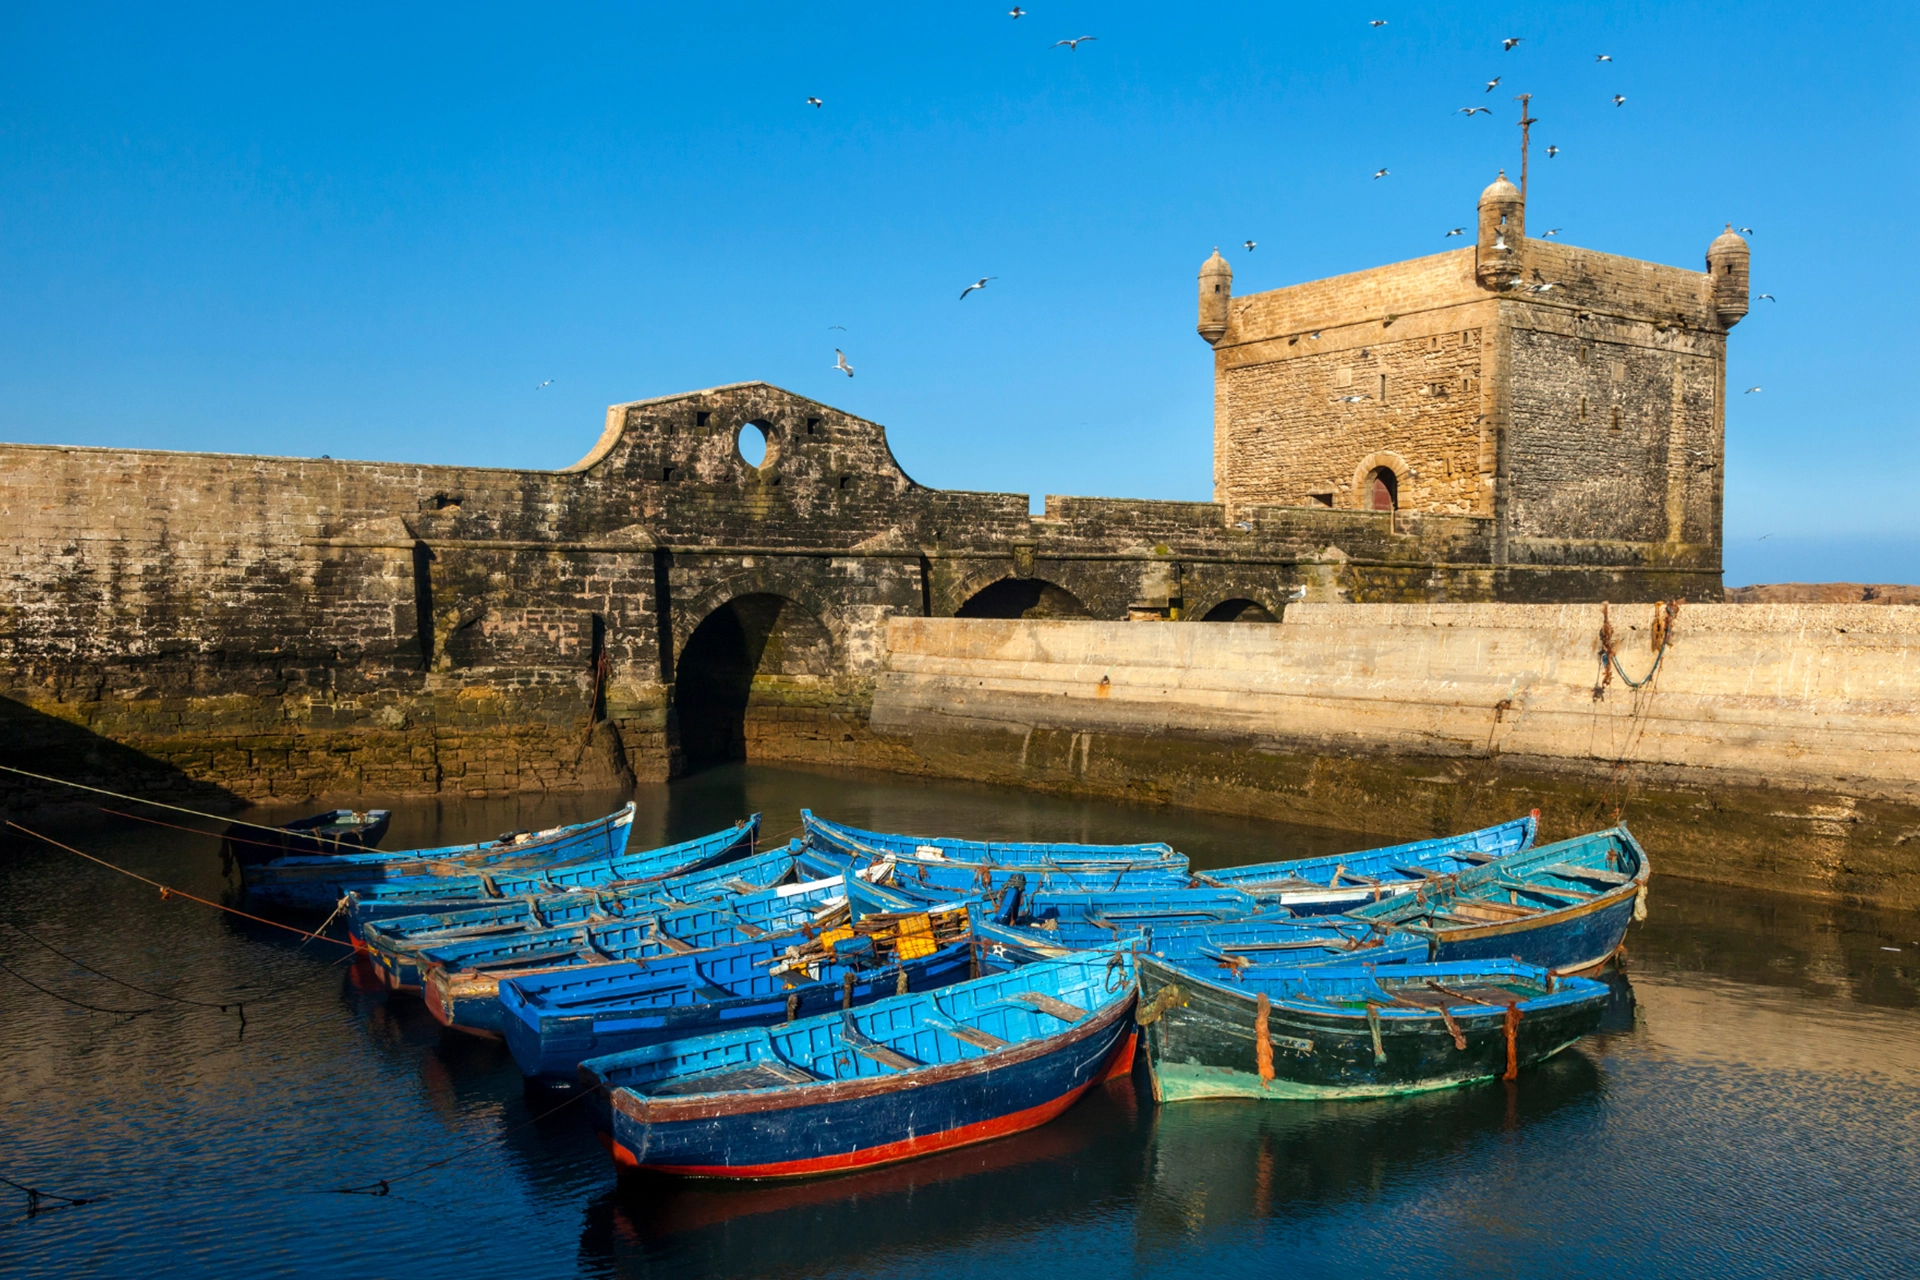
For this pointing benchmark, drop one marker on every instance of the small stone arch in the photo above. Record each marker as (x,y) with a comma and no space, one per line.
(1384,460)
(1239,609)
(1011,597)
(801,592)
(745,663)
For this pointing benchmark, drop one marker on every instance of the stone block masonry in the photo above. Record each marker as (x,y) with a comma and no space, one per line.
(1777,746)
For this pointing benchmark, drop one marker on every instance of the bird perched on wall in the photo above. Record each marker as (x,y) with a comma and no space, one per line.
(547,383)
(1603,57)
(1769,297)
(1506,46)
(1315,334)
(814,102)
(1457,231)
(1381,174)
(1749,391)
(840,362)
(1016,13)
(1619,100)
(1469,112)
(981,283)
(1250,246)
(1074,43)
(1492,84)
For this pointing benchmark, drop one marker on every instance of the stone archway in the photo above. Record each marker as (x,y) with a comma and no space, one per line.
(1022,598)
(1239,609)
(749,659)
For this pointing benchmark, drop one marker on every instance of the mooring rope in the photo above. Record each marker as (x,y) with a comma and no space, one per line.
(385,1185)
(158,804)
(121,982)
(35,1195)
(78,1004)
(167,891)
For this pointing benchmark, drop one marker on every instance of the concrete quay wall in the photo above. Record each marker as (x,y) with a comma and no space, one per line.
(1777,746)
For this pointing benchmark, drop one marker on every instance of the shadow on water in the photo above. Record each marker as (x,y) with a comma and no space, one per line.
(1195,1167)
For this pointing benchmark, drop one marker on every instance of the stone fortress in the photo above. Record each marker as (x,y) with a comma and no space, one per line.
(1516,420)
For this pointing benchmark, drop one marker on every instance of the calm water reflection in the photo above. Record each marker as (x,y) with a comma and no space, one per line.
(1750,1109)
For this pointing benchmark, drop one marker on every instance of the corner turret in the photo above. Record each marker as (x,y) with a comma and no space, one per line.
(1727,264)
(1503,225)
(1216,291)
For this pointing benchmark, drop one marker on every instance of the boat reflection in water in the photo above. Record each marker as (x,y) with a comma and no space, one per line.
(1210,1166)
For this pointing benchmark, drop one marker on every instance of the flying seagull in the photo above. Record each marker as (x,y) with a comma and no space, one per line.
(1491,83)
(813,102)
(547,383)
(840,362)
(1746,231)
(1016,13)
(1749,391)
(1619,100)
(1350,399)
(1769,297)
(1554,232)
(1315,334)
(1074,43)
(1469,111)
(1552,152)
(1378,22)
(842,328)
(1379,175)
(1457,231)
(1506,46)
(1250,246)
(1603,57)
(1543,286)
(981,283)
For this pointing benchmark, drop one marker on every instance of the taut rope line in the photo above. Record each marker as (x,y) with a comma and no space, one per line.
(117,795)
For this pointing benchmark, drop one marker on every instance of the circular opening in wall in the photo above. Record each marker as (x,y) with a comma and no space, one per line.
(752,443)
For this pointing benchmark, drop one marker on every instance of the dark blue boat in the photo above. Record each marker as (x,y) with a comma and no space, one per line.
(416,895)
(320,882)
(554,1020)
(461,982)
(1354,1031)
(1269,941)
(1341,882)
(1565,906)
(328,834)
(903,1077)
(1062,922)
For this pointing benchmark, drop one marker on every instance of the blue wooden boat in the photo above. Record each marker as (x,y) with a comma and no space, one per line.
(393,945)
(1072,921)
(320,882)
(926,876)
(1320,886)
(1354,1031)
(900,1078)
(328,834)
(718,853)
(869,847)
(554,1020)
(461,982)
(1268,941)
(1566,905)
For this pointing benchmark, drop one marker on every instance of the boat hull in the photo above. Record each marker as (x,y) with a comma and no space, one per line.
(1204,1044)
(1569,940)
(858,1124)
(550,1049)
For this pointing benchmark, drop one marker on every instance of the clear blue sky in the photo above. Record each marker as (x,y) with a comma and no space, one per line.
(371,231)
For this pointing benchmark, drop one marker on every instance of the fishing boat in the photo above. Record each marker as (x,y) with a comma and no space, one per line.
(1354,1031)
(321,881)
(554,1020)
(902,1077)
(1067,921)
(929,876)
(868,847)
(1327,885)
(1565,905)
(1293,942)
(393,945)
(722,854)
(461,982)
(328,834)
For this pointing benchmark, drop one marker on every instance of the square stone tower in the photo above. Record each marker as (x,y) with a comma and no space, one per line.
(1575,399)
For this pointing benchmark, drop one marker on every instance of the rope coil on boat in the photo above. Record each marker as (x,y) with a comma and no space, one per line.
(1148,1014)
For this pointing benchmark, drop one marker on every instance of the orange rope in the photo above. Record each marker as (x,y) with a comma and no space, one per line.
(167,891)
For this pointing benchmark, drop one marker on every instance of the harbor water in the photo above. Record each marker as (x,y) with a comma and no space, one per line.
(1751,1108)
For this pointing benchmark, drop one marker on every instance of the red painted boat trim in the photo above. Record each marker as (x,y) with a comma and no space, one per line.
(887,1153)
